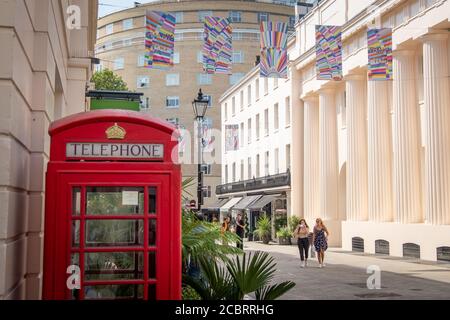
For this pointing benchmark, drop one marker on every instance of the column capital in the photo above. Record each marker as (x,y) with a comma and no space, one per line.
(404,52)
(355,77)
(438,36)
(310,98)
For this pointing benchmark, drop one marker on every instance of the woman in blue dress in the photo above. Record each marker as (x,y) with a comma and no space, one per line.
(320,240)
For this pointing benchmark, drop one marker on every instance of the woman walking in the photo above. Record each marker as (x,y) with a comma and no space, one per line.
(301,233)
(320,240)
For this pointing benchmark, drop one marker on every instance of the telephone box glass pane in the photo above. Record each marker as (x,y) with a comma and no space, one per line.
(114,265)
(107,292)
(152,233)
(106,233)
(114,201)
(152,265)
(152,291)
(152,200)
(76,201)
(75,233)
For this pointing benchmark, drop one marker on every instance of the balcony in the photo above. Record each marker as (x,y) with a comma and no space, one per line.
(279,180)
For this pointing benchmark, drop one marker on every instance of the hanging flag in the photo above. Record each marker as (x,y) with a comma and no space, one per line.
(217,46)
(329,53)
(232,137)
(273,38)
(379,44)
(159,39)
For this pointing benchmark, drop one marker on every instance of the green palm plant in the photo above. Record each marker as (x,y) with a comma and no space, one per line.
(237,277)
(264,228)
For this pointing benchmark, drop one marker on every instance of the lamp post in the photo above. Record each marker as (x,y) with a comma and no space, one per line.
(200,104)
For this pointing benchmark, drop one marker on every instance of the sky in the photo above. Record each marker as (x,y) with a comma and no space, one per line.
(109,6)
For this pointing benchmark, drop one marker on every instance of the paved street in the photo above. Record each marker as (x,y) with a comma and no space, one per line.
(344,276)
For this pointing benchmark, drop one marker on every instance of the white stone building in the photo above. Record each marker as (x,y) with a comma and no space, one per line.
(370,157)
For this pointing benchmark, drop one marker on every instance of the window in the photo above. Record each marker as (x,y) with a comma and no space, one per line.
(276,162)
(178,17)
(263,16)
(127,24)
(276,117)
(249,130)
(127,42)
(209,98)
(235,78)
(143,82)
(203,14)
(226,173)
(98,67)
(141,60)
(238,57)
(172,102)
(178,36)
(172,79)
(235,16)
(288,157)
(119,63)
(266,163)
(109,29)
(257,89)
(266,85)
(204,78)
(206,169)
(233,106)
(249,95)
(258,173)
(237,36)
(145,104)
(226,111)
(291,21)
(242,135)
(266,122)
(249,168)
(176,57)
(242,100)
(257,126)
(242,170)
(287,104)
(234,172)
(275,83)
(206,192)
(200,56)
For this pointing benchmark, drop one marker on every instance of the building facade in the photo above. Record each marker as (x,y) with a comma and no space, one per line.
(371,157)
(169,94)
(44,73)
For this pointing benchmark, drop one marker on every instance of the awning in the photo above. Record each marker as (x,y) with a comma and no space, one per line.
(227,206)
(261,203)
(246,202)
(218,204)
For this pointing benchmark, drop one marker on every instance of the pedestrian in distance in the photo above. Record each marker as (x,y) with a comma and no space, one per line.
(320,240)
(301,233)
(240,229)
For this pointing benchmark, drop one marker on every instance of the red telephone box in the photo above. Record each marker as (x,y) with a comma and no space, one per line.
(113,208)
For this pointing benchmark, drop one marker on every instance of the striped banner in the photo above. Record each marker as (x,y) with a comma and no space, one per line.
(217,46)
(274,61)
(159,40)
(329,53)
(379,44)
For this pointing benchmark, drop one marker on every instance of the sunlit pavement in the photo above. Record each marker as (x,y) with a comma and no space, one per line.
(345,275)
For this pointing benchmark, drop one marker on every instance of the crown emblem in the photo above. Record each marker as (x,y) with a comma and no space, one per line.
(115,132)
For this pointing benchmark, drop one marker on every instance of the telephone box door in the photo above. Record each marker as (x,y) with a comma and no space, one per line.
(110,236)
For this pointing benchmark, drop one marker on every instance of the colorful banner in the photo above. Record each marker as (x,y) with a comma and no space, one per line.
(232,137)
(329,53)
(379,44)
(274,61)
(159,40)
(217,47)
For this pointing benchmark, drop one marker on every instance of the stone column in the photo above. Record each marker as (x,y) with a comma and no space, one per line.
(356,100)
(329,168)
(311,153)
(437,128)
(407,174)
(379,152)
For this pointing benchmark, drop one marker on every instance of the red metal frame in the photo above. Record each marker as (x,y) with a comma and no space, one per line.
(64,174)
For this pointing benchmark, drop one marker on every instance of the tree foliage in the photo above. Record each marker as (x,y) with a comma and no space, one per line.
(108,80)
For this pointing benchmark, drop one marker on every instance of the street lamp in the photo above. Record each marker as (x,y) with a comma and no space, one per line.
(200,104)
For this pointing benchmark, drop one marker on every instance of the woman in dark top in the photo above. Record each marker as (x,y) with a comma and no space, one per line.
(320,240)
(301,233)
(240,231)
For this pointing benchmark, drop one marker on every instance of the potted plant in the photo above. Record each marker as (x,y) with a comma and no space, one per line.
(263,229)
(284,236)
(293,223)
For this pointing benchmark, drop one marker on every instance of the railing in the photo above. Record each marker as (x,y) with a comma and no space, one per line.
(279,180)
